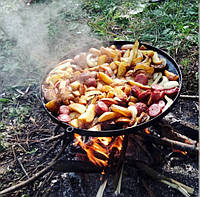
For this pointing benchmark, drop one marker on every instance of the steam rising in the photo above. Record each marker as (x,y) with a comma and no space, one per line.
(34,38)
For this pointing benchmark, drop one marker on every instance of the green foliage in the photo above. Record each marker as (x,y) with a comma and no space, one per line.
(170,24)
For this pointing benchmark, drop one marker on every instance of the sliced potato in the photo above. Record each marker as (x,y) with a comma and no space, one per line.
(123,120)
(171,76)
(105,78)
(95,128)
(119,93)
(156,59)
(109,101)
(108,116)
(145,67)
(89,115)
(74,123)
(102,59)
(131,82)
(135,49)
(133,99)
(52,106)
(113,66)
(77,107)
(106,88)
(122,110)
(148,53)
(75,85)
(122,69)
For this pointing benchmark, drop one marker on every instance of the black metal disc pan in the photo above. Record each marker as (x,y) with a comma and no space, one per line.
(171,66)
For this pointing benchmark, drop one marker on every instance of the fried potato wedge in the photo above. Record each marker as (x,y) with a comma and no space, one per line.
(77,107)
(105,78)
(122,110)
(108,116)
(89,115)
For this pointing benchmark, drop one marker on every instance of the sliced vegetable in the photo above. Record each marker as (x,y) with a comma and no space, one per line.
(108,116)
(77,107)
(89,115)
(122,110)
(105,78)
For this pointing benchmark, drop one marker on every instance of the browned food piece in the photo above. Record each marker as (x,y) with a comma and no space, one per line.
(108,116)
(142,47)
(144,117)
(141,78)
(77,107)
(109,101)
(53,106)
(105,78)
(144,96)
(133,83)
(64,109)
(126,46)
(101,107)
(102,59)
(91,82)
(127,89)
(132,99)
(89,115)
(122,69)
(135,91)
(141,107)
(154,110)
(122,110)
(95,128)
(119,93)
(157,95)
(172,91)
(64,118)
(74,123)
(75,85)
(95,52)
(156,59)
(123,120)
(171,76)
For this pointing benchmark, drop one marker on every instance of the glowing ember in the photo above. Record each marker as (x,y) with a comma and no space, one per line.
(147,131)
(179,151)
(99,148)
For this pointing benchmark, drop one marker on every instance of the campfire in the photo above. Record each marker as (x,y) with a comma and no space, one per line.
(99,147)
(108,128)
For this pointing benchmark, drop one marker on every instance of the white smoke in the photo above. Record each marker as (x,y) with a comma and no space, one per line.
(38,36)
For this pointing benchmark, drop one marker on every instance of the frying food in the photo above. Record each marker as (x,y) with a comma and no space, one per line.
(110,86)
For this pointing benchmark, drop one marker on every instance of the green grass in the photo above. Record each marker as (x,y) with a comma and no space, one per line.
(171,24)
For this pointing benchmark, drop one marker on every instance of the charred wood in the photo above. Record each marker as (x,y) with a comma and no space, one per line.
(75,166)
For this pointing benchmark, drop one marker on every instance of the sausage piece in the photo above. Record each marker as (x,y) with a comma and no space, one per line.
(144,96)
(157,95)
(63,109)
(141,107)
(154,110)
(135,91)
(64,118)
(172,91)
(161,103)
(156,87)
(141,78)
(101,107)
